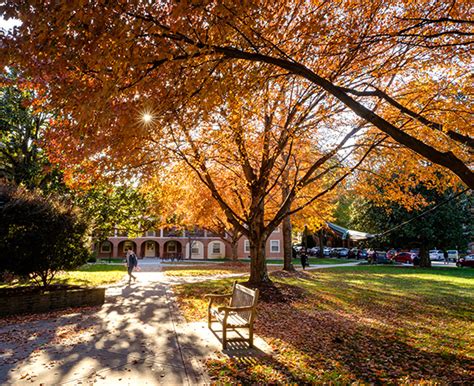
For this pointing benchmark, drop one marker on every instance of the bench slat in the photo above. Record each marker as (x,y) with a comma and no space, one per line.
(233,320)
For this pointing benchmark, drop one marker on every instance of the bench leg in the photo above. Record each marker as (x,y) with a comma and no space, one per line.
(251,337)
(224,337)
(209,319)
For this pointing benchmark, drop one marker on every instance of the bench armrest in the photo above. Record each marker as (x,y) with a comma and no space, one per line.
(213,297)
(216,296)
(235,309)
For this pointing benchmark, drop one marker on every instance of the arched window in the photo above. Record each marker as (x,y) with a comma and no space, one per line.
(106,247)
(171,247)
(216,248)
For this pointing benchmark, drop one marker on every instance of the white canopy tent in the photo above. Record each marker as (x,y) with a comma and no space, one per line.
(349,234)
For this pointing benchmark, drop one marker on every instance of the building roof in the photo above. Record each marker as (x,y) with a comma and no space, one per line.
(345,233)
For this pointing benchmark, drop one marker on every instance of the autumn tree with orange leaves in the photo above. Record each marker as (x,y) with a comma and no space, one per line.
(105,57)
(255,136)
(375,75)
(180,199)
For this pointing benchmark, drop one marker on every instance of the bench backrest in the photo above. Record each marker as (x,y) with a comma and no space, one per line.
(244,297)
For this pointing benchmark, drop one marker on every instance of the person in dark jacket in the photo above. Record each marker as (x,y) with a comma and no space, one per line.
(132,262)
(446,257)
(304,259)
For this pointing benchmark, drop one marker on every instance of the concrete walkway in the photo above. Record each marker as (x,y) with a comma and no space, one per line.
(133,339)
(320,266)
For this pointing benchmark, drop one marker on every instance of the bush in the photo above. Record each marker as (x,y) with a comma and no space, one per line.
(39,236)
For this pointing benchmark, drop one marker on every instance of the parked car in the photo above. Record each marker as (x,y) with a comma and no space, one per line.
(298,247)
(453,255)
(363,254)
(466,261)
(382,258)
(356,253)
(342,252)
(403,257)
(315,251)
(391,253)
(436,254)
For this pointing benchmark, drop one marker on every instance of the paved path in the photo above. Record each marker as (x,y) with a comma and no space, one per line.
(319,266)
(133,339)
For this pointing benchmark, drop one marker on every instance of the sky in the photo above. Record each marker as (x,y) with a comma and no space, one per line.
(8,24)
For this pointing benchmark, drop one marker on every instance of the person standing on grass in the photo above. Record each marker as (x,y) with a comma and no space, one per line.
(132,262)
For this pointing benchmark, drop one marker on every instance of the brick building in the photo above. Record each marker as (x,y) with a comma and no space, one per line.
(172,243)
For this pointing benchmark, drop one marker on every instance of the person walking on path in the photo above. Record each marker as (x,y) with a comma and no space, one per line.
(446,257)
(304,259)
(132,262)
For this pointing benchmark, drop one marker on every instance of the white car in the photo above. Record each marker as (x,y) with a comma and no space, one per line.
(453,255)
(436,254)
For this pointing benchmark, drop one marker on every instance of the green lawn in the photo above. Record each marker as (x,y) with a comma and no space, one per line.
(90,275)
(209,269)
(242,266)
(364,324)
(326,260)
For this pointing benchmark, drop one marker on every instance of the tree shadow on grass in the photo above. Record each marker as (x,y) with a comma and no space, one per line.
(330,343)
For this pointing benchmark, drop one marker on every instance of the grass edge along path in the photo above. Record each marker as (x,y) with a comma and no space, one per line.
(89,275)
(355,324)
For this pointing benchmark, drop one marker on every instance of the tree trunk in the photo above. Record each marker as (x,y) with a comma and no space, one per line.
(258,264)
(44,278)
(190,243)
(321,242)
(257,239)
(287,248)
(425,261)
(286,223)
(233,247)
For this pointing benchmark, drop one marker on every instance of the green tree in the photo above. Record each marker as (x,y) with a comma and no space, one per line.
(39,235)
(447,223)
(342,213)
(109,207)
(22,126)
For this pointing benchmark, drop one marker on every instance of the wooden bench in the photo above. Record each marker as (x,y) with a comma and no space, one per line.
(240,313)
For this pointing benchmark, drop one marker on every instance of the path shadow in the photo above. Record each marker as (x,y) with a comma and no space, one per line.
(132,334)
(332,341)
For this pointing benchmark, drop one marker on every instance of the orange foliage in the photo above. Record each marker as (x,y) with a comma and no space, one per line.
(242,91)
